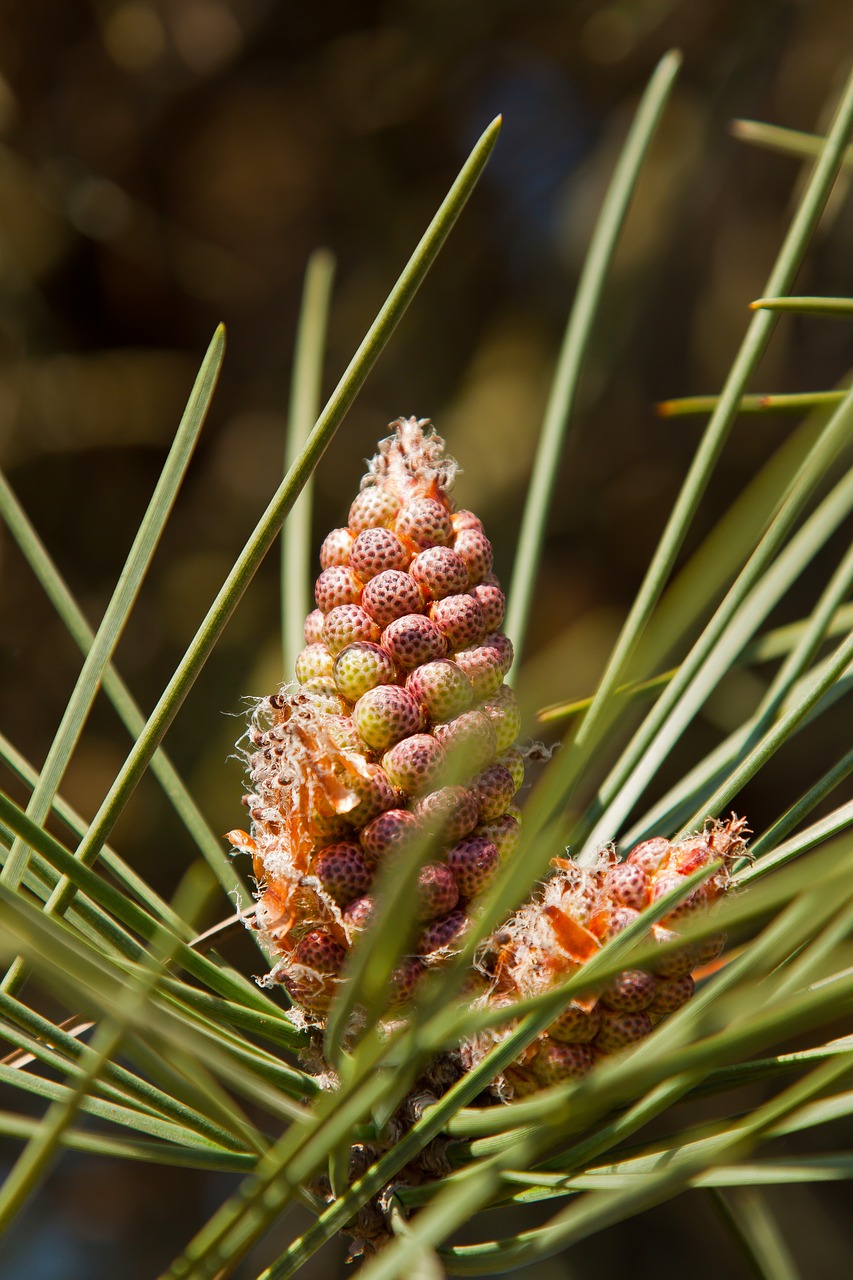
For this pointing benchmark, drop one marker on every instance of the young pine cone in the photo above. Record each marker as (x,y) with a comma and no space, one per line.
(400,687)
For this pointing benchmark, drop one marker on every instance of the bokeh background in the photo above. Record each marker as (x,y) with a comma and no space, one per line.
(167,164)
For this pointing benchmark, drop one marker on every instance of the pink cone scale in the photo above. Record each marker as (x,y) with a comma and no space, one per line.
(670,995)
(347,624)
(373,507)
(343,872)
(426,522)
(415,764)
(374,551)
(313,631)
(688,906)
(492,601)
(483,667)
(336,586)
(412,640)
(321,951)
(390,595)
(460,620)
(556,1062)
(442,932)
(439,572)
(576,1024)
(398,742)
(494,788)
(618,1030)
(631,991)
(437,891)
(474,549)
(474,862)
(448,812)
(649,855)
(336,548)
(404,982)
(466,520)
(628,885)
(389,834)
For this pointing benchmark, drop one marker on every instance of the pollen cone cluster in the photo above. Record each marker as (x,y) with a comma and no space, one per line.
(553,936)
(399,735)
(399,729)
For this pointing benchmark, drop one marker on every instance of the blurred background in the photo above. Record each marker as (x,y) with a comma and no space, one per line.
(167,164)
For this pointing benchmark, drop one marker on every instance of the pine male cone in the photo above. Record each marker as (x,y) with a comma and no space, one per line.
(400,687)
